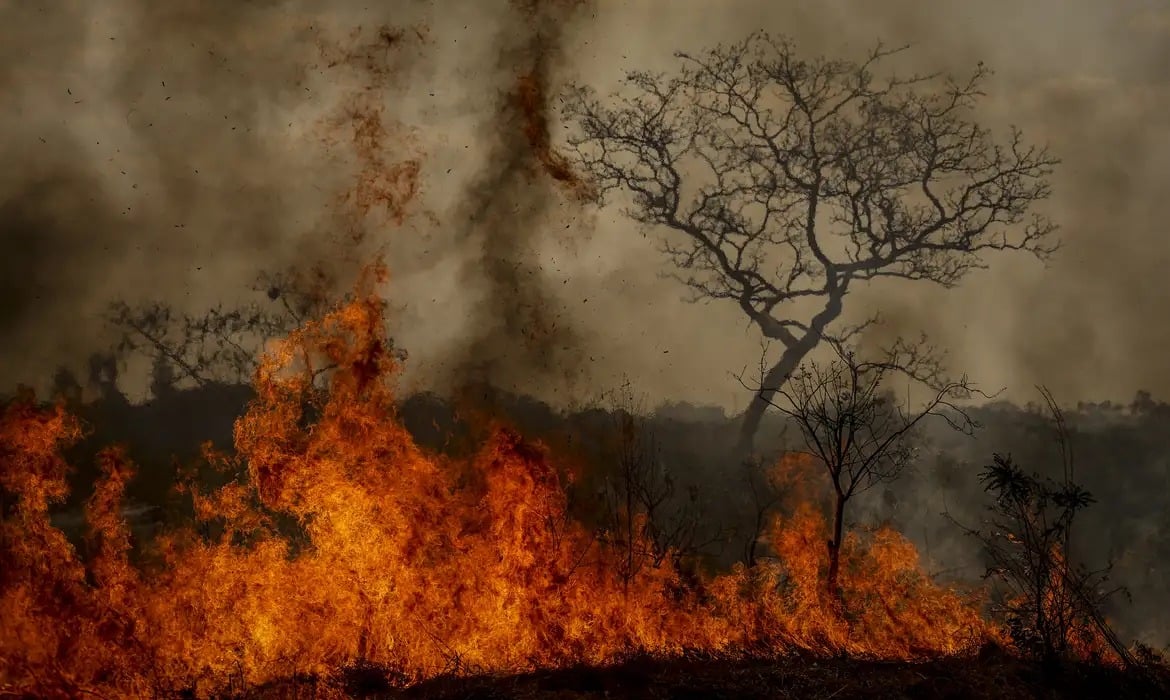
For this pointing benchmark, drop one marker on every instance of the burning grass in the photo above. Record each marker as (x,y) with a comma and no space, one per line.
(399,558)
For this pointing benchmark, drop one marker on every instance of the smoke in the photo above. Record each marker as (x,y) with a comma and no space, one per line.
(171,151)
(168,152)
(521,332)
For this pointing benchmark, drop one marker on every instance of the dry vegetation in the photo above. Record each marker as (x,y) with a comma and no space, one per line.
(336,542)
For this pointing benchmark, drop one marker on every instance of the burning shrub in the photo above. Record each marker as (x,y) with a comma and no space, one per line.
(1051,605)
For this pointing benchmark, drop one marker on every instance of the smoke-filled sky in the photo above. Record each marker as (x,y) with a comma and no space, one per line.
(170,151)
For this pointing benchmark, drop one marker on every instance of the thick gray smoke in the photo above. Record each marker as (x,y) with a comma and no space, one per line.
(170,151)
(157,152)
(521,331)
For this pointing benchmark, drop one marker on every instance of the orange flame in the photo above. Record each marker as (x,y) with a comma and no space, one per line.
(418,563)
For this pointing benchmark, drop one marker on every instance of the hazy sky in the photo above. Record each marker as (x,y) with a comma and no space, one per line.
(170,150)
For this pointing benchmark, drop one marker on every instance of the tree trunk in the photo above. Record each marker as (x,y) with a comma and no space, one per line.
(773,380)
(794,353)
(835,543)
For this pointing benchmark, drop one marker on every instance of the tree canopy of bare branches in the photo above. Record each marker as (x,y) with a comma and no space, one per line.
(784,182)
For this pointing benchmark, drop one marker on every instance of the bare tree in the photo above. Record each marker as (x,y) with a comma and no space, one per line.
(223,343)
(783,183)
(765,496)
(852,425)
(645,517)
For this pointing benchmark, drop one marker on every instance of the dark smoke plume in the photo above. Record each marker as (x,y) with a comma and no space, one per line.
(520,332)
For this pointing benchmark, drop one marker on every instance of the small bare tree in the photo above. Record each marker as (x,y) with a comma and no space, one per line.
(852,425)
(222,343)
(765,497)
(784,183)
(645,516)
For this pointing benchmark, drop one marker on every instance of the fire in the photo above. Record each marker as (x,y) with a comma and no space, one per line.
(338,541)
